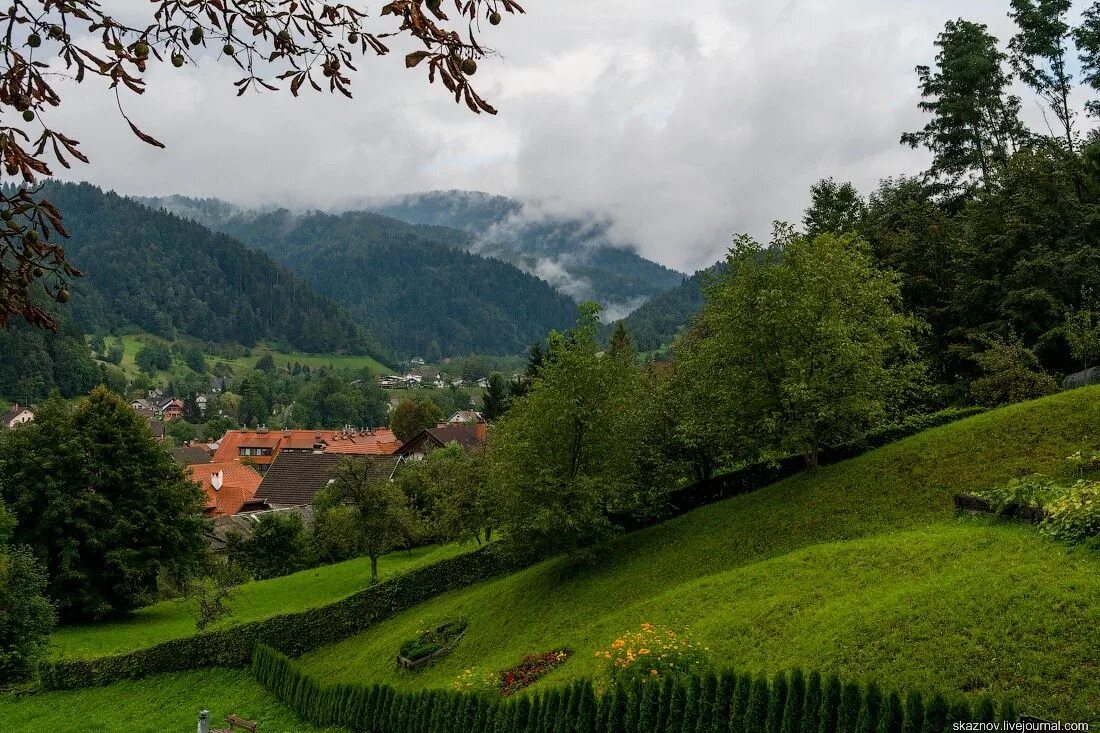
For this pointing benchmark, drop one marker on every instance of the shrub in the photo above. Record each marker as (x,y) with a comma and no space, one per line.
(26,616)
(653,653)
(1074,516)
(279,545)
(433,640)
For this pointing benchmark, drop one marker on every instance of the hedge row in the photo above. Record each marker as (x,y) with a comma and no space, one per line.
(759,475)
(725,703)
(293,633)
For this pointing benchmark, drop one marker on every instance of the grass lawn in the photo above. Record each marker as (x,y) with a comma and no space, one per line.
(155,705)
(859,568)
(252,601)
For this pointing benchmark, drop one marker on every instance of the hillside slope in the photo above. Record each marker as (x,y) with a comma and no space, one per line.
(416,287)
(657,323)
(860,568)
(159,273)
(575,255)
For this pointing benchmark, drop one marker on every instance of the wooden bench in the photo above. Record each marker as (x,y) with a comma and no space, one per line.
(235,722)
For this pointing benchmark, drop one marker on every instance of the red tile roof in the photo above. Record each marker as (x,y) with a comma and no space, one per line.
(378,442)
(238,485)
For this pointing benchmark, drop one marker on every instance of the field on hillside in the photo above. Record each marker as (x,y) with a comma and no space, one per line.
(251,601)
(156,705)
(859,568)
(132,343)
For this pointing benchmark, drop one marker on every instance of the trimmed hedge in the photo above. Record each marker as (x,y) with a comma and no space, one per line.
(759,475)
(297,633)
(726,703)
(293,633)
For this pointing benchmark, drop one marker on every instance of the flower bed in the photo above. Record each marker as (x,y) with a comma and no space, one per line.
(652,653)
(510,681)
(431,644)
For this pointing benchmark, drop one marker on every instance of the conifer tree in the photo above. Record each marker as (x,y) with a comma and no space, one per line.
(914,713)
(890,721)
(796,702)
(534,715)
(704,709)
(847,717)
(618,712)
(756,713)
(647,708)
(1008,712)
(676,707)
(632,720)
(568,710)
(586,709)
(664,704)
(776,704)
(692,692)
(723,700)
(959,712)
(935,715)
(811,716)
(985,712)
(739,705)
(870,710)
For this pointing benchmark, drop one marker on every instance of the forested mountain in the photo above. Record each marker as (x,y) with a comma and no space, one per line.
(415,287)
(574,255)
(34,361)
(169,276)
(659,320)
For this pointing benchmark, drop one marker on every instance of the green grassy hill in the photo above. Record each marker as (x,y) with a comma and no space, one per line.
(860,569)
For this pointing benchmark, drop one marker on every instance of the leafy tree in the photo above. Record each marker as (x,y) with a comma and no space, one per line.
(336,534)
(26,616)
(620,343)
(382,512)
(266,363)
(194,359)
(412,416)
(328,402)
(180,431)
(279,545)
(192,413)
(268,40)
(451,492)
(835,208)
(495,401)
(565,456)
(1087,37)
(975,122)
(101,503)
(799,347)
(153,358)
(1082,332)
(216,427)
(1011,373)
(1040,51)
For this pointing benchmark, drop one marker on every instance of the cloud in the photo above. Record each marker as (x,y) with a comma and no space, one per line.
(682,123)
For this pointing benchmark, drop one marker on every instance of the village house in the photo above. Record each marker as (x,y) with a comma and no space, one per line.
(201,401)
(469,436)
(192,453)
(16,416)
(296,476)
(228,487)
(260,447)
(171,410)
(465,417)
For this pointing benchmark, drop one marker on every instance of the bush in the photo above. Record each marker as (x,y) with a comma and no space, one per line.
(1074,516)
(433,640)
(280,545)
(26,616)
(652,653)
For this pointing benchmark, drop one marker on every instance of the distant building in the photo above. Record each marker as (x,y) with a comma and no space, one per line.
(297,476)
(228,486)
(469,436)
(171,410)
(260,447)
(156,427)
(16,416)
(201,401)
(192,454)
(483,383)
(465,417)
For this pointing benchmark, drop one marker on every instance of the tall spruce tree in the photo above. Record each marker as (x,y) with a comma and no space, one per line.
(847,716)
(811,716)
(975,123)
(777,704)
(893,714)
(796,703)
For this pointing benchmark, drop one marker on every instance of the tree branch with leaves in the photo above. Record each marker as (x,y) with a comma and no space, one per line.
(296,43)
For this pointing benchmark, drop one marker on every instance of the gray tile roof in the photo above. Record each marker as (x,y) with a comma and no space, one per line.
(295,477)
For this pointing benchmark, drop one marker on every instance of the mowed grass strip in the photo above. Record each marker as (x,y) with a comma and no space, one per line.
(251,602)
(155,705)
(859,568)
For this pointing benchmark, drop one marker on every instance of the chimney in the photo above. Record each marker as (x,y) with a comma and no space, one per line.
(216,480)
(481,429)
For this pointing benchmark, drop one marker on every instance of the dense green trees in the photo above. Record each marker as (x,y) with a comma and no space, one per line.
(34,362)
(799,347)
(452,495)
(566,454)
(409,417)
(280,544)
(101,503)
(26,615)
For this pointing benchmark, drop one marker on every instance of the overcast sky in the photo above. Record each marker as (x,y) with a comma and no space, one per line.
(685,122)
